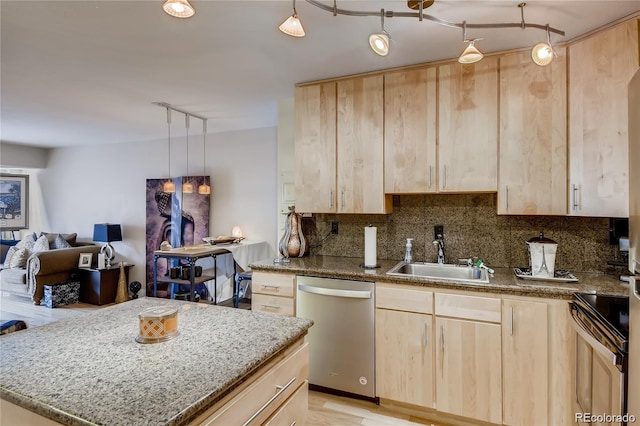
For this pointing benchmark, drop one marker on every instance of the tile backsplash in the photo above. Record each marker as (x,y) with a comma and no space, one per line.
(471,228)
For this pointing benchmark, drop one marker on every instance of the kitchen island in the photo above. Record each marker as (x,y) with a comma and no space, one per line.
(90,370)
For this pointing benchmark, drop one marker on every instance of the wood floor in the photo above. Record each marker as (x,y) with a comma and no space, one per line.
(324,409)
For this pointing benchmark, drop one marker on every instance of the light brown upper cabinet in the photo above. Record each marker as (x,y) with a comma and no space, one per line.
(600,68)
(468,126)
(361,146)
(315,148)
(410,131)
(533,136)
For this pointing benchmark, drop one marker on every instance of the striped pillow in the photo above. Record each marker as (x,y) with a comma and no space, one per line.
(19,258)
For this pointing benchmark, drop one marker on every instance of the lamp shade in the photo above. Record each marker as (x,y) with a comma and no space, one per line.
(292,26)
(542,54)
(471,54)
(379,43)
(107,232)
(179,8)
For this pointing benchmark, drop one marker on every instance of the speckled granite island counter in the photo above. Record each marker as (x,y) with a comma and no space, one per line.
(504,280)
(90,370)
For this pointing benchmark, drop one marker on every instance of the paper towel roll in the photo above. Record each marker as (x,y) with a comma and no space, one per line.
(370,246)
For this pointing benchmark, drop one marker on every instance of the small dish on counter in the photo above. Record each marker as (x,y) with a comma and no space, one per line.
(222,239)
(559,275)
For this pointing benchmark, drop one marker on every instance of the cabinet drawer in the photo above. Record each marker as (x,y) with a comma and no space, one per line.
(262,398)
(404,298)
(274,304)
(294,411)
(276,284)
(468,307)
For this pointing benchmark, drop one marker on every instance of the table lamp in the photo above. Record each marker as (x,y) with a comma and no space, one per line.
(106,233)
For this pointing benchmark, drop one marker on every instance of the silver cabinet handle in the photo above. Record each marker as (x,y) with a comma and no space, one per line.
(444,177)
(511,330)
(426,334)
(331,200)
(342,199)
(506,198)
(266,404)
(277,308)
(575,197)
(442,349)
(275,287)
(429,181)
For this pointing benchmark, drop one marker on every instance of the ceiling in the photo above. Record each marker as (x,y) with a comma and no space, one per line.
(87,72)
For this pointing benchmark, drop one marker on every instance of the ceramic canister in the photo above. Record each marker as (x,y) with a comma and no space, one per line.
(542,256)
(157,324)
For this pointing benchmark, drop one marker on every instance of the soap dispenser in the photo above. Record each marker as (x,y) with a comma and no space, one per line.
(408,258)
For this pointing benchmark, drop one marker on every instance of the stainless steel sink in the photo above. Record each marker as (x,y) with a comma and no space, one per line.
(436,271)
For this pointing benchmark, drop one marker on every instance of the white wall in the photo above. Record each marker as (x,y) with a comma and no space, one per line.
(22,156)
(85,185)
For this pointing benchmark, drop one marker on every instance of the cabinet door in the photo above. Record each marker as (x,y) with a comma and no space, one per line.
(525,360)
(468,369)
(315,148)
(404,357)
(600,68)
(360,146)
(468,126)
(410,131)
(533,136)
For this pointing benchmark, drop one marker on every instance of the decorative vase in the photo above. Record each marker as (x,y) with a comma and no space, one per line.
(293,242)
(121,293)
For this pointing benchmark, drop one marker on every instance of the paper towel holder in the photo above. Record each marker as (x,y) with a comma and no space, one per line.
(363,266)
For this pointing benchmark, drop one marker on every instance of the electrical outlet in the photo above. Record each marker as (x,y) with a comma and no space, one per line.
(438,230)
(334,227)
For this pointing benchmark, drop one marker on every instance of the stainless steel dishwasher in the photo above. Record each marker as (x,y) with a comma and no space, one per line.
(341,341)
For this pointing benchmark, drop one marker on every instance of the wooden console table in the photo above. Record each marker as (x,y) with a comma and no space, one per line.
(190,255)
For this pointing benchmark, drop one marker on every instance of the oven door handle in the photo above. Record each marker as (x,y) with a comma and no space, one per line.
(593,342)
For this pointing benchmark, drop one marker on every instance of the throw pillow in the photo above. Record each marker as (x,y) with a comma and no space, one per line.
(60,243)
(7,259)
(19,258)
(27,242)
(42,244)
(51,236)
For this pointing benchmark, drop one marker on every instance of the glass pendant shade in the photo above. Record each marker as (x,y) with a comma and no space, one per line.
(471,54)
(204,189)
(178,8)
(542,54)
(187,188)
(292,26)
(379,43)
(169,186)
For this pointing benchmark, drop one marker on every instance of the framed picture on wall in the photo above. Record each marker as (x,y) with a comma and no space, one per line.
(14,202)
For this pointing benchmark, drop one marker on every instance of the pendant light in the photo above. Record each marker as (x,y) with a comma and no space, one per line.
(178,8)
(471,53)
(204,189)
(542,54)
(187,187)
(292,26)
(379,42)
(169,186)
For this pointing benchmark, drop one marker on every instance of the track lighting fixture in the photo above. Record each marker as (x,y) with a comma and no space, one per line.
(187,187)
(169,186)
(542,53)
(379,42)
(205,188)
(178,8)
(471,53)
(292,25)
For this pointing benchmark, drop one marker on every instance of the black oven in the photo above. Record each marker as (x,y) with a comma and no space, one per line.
(601,323)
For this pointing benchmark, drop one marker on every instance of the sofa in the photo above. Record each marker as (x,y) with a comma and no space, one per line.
(43,266)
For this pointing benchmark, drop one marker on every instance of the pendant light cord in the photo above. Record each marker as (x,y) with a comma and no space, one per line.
(169,139)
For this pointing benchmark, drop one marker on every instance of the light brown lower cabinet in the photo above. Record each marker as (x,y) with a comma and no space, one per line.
(496,359)
(273,292)
(468,370)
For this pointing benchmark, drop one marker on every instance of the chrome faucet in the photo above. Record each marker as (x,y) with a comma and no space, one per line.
(439,245)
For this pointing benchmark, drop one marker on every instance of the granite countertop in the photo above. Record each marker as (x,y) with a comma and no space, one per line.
(90,370)
(504,280)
